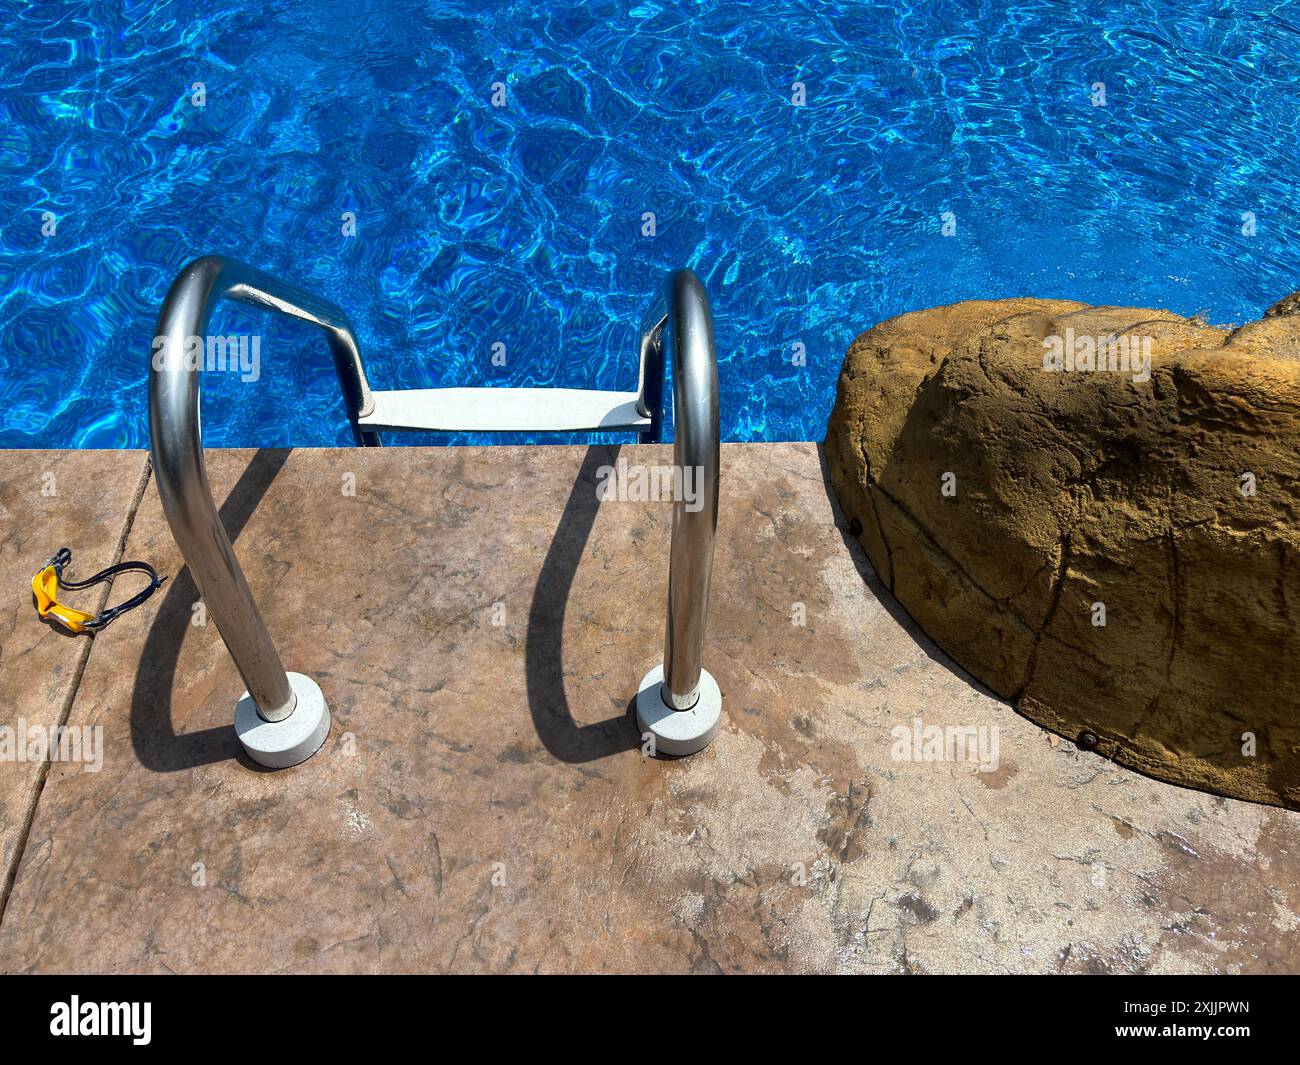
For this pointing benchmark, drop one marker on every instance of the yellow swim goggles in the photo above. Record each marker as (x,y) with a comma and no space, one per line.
(45,586)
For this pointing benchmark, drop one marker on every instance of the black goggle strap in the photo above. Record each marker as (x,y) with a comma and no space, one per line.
(64,557)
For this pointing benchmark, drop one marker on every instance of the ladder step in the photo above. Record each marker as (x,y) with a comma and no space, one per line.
(506,410)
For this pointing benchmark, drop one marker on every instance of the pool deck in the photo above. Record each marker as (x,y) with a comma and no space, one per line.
(479,624)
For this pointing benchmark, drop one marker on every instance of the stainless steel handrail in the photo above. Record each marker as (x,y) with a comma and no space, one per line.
(679,328)
(176,444)
(687,335)
(650,368)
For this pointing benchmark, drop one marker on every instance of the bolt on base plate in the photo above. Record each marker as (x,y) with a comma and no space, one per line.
(678,732)
(280,744)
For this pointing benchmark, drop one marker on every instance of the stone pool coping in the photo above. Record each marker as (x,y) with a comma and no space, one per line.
(482,803)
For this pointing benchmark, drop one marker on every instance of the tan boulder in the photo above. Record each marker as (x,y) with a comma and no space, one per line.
(1117,556)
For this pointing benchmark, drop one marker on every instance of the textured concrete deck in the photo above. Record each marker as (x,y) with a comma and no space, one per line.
(482,802)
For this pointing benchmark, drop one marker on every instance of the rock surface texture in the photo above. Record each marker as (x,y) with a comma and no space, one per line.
(482,803)
(1117,556)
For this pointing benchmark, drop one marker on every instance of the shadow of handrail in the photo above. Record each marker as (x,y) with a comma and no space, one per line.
(548,704)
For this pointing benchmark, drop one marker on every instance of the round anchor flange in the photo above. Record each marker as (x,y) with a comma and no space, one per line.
(678,732)
(280,744)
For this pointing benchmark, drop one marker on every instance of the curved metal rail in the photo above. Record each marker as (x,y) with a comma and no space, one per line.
(680,326)
(176,444)
(687,334)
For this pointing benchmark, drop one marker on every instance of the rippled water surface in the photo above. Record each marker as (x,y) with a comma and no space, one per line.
(522,224)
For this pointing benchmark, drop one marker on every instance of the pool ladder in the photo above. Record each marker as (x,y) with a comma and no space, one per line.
(283,717)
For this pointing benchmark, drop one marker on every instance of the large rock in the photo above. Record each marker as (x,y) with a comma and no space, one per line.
(1075,491)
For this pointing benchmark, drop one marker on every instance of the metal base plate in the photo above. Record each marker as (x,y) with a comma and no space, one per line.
(280,744)
(678,732)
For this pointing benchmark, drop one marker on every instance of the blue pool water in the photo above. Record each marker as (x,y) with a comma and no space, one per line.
(522,224)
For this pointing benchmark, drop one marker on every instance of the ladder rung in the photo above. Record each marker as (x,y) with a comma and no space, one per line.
(507,410)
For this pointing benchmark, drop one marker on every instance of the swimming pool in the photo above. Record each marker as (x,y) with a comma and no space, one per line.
(523,224)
